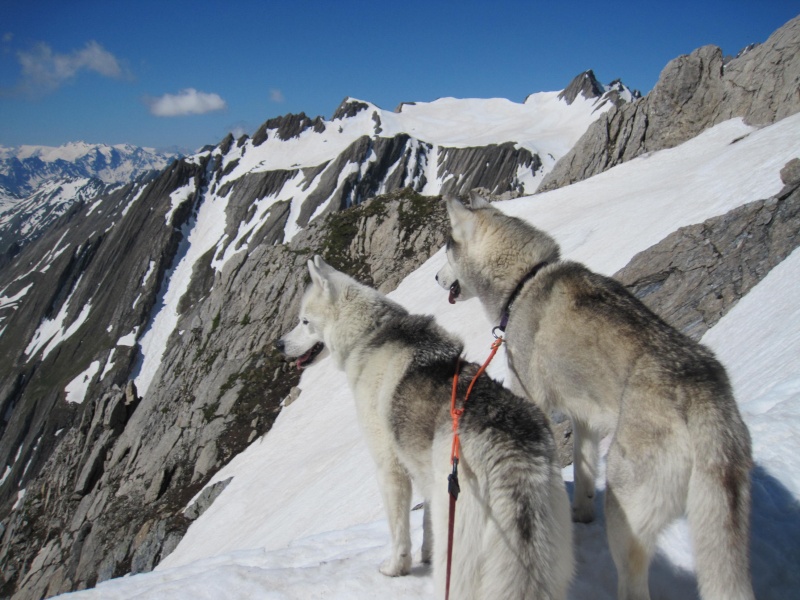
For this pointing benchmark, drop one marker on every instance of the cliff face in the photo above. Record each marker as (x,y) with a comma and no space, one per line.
(693,93)
(106,479)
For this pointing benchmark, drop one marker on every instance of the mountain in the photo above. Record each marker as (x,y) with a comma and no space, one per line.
(137,375)
(694,92)
(38,184)
(24,168)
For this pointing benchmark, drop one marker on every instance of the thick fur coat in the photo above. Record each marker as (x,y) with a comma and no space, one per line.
(580,343)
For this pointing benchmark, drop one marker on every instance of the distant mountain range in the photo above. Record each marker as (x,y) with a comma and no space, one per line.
(24,168)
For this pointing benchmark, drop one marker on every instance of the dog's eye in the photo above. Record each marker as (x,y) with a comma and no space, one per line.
(305,321)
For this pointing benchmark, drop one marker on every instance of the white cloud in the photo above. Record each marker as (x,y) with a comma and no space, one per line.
(44,70)
(276,95)
(185,102)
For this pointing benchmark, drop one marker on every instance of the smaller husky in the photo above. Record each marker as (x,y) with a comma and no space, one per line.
(580,343)
(512,534)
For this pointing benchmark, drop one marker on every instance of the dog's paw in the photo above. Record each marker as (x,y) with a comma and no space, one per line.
(583,513)
(425,555)
(392,567)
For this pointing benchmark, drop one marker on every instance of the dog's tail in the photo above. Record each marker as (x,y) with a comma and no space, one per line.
(718,502)
(513,529)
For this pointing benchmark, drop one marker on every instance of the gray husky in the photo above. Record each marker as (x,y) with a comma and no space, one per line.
(580,343)
(513,534)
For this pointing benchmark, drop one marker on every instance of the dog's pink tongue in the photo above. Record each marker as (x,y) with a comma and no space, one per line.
(455,290)
(300,363)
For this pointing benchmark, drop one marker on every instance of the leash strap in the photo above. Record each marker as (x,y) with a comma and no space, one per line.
(452,480)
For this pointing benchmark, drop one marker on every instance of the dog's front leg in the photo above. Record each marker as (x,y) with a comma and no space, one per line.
(584,468)
(396,491)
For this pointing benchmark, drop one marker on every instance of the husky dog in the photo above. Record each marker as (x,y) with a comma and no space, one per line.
(580,343)
(512,535)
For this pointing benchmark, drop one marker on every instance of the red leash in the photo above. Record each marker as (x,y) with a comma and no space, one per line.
(452,479)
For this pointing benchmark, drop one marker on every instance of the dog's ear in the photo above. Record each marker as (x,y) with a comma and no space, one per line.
(318,274)
(322,265)
(477,201)
(462,221)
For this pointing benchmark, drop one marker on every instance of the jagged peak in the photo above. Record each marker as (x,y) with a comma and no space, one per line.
(349,108)
(288,126)
(585,84)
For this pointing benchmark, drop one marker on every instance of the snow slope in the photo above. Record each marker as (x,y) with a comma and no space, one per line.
(302,517)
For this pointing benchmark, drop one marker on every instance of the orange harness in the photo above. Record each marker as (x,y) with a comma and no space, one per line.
(452,479)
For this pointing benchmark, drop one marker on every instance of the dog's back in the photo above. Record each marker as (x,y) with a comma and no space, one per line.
(679,443)
(515,488)
(513,535)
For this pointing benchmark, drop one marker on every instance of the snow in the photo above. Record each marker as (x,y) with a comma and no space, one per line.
(20,496)
(13,300)
(129,339)
(177,198)
(77,388)
(200,234)
(542,121)
(109,364)
(302,516)
(51,332)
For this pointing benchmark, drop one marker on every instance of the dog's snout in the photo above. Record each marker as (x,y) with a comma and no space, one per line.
(279,345)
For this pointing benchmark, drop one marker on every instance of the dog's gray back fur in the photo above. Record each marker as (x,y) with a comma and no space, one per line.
(508,458)
(579,342)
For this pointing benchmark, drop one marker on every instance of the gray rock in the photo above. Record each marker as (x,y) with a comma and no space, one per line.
(693,93)
(697,274)
(585,84)
(206,499)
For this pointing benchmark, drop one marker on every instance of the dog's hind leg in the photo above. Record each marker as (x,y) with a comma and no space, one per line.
(584,467)
(646,490)
(631,554)
(396,491)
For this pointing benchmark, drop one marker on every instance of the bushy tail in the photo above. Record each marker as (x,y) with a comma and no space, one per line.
(513,530)
(718,508)
(718,500)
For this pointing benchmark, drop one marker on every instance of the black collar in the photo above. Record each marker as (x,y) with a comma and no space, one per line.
(507,308)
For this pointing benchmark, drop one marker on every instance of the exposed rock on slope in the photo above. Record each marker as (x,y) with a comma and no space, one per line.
(694,92)
(698,273)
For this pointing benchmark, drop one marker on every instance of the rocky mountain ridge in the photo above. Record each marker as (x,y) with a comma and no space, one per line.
(693,93)
(95,481)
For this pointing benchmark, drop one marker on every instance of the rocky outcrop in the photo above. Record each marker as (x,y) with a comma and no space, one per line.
(693,93)
(698,273)
(495,168)
(585,84)
(287,127)
(349,107)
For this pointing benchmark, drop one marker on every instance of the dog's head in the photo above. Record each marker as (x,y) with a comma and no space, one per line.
(306,342)
(459,275)
(489,252)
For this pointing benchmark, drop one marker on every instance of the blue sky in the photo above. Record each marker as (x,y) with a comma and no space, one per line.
(178,73)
